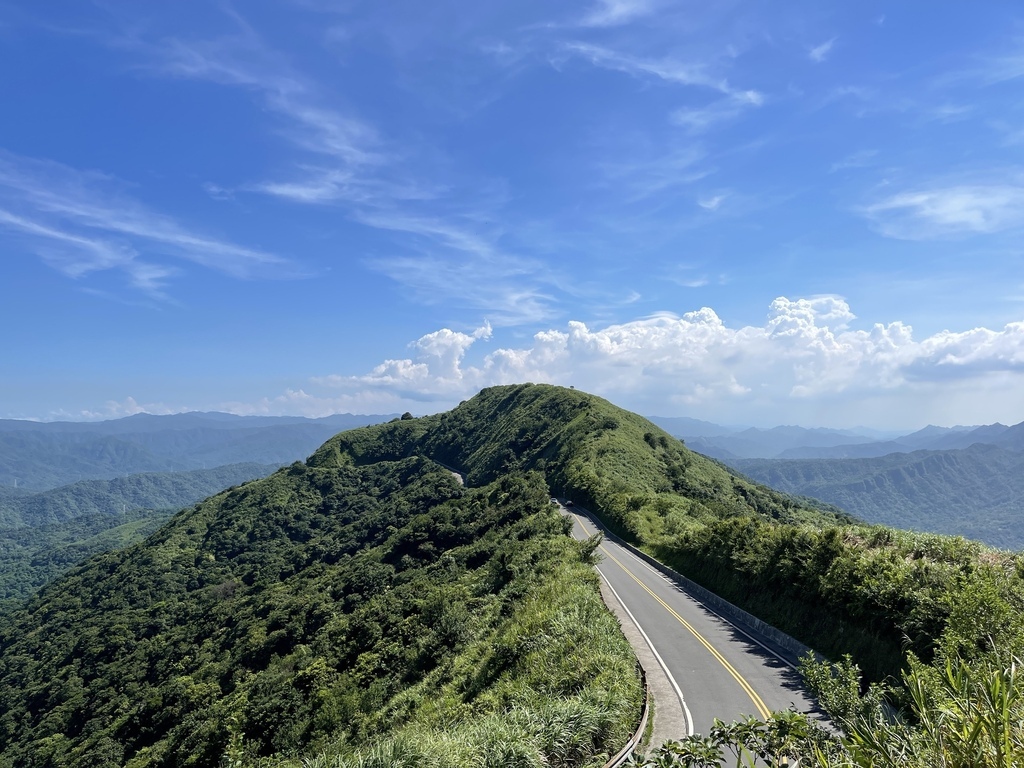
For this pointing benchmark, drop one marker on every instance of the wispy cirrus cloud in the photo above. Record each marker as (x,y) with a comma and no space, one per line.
(819,53)
(712,203)
(511,289)
(84,222)
(451,253)
(949,211)
(858,159)
(348,147)
(647,173)
(612,13)
(666,69)
(735,101)
(701,119)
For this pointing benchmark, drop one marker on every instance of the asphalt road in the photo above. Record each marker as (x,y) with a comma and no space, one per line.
(715,668)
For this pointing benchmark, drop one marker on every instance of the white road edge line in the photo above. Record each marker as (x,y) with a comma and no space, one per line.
(664,667)
(661,661)
(725,619)
(732,624)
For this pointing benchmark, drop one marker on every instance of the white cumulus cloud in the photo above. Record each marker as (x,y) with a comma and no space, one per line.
(806,362)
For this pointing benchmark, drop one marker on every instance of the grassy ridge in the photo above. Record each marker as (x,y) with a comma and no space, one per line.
(837,585)
(320,614)
(644,482)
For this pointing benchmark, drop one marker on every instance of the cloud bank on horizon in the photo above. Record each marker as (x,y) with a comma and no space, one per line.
(804,364)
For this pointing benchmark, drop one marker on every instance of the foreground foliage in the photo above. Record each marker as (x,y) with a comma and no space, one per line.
(871,592)
(959,716)
(314,613)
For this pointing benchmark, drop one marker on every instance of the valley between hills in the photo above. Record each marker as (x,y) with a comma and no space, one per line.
(363,608)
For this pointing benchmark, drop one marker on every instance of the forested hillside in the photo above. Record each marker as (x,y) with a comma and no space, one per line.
(977,492)
(44,534)
(364,608)
(148,490)
(839,586)
(326,610)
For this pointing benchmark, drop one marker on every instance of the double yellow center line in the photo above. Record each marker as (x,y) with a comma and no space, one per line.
(758,701)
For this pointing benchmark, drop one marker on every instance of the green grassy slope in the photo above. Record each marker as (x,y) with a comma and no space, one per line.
(323,613)
(644,482)
(837,585)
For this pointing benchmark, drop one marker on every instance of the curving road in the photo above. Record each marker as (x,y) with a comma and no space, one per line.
(711,668)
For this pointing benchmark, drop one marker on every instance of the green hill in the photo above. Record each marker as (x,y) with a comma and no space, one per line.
(44,534)
(322,611)
(644,482)
(836,584)
(365,608)
(977,492)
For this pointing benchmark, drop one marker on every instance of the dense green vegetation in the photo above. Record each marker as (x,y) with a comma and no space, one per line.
(32,557)
(977,492)
(644,482)
(151,490)
(43,534)
(871,592)
(326,612)
(959,716)
(837,585)
(366,609)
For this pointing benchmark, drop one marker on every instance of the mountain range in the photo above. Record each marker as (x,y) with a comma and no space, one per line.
(44,455)
(966,481)
(792,442)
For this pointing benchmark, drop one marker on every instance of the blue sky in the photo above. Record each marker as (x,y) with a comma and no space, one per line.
(746,212)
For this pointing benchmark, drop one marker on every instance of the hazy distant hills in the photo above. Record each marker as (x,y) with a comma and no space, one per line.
(964,480)
(43,534)
(977,492)
(40,456)
(789,442)
(154,490)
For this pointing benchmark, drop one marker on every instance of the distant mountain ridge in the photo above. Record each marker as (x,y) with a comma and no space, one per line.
(962,480)
(792,442)
(150,490)
(44,534)
(45,455)
(976,492)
